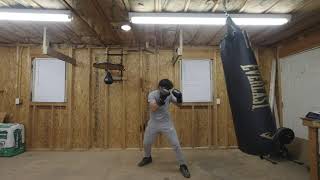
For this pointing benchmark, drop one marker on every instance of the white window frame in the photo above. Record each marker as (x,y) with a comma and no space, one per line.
(35,96)
(210,99)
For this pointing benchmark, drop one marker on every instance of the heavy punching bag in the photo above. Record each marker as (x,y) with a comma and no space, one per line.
(248,99)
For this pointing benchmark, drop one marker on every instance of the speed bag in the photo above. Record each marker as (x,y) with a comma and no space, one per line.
(249,104)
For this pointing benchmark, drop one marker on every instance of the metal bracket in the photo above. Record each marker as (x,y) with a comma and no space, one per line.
(51,52)
(178,52)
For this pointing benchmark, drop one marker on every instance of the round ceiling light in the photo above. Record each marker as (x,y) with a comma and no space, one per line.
(126,27)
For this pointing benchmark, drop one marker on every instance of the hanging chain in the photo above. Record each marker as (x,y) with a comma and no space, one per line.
(225,2)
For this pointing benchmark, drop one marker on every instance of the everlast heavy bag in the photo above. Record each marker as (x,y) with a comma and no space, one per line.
(248,99)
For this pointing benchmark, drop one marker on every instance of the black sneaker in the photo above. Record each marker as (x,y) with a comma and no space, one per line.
(184,171)
(145,161)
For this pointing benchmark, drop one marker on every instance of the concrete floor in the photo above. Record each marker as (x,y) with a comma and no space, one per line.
(121,165)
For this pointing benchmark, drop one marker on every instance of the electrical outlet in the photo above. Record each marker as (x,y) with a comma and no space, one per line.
(18,101)
(179,51)
(218,101)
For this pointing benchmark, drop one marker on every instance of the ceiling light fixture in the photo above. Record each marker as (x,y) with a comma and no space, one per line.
(35,15)
(209,19)
(126,27)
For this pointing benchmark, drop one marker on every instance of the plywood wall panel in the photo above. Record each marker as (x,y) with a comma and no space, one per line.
(98,102)
(102,116)
(23,88)
(232,139)
(149,80)
(165,68)
(8,64)
(265,62)
(41,128)
(59,123)
(223,107)
(201,121)
(183,124)
(132,98)
(116,110)
(81,117)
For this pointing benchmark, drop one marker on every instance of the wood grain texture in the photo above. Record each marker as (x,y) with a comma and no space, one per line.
(41,127)
(223,107)
(99,116)
(132,114)
(266,55)
(258,6)
(303,41)
(303,18)
(59,123)
(116,109)
(201,127)
(91,14)
(70,100)
(98,22)
(9,70)
(100,104)
(231,5)
(25,86)
(81,118)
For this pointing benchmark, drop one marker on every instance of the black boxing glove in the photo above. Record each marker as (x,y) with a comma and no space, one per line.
(164,93)
(178,95)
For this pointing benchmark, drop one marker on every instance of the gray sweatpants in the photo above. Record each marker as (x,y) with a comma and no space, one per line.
(166,128)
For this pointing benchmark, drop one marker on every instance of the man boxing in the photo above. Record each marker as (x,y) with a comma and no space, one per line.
(160,122)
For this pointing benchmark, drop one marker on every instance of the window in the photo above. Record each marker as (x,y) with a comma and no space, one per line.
(49,80)
(196,80)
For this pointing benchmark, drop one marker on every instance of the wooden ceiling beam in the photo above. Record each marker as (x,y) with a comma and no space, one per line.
(243,7)
(215,7)
(258,6)
(215,37)
(44,4)
(72,33)
(304,18)
(36,3)
(78,20)
(164,4)
(231,5)
(4,39)
(300,42)
(63,33)
(274,4)
(126,5)
(19,34)
(195,37)
(176,36)
(8,3)
(186,6)
(99,25)
(157,5)
(107,21)
(158,36)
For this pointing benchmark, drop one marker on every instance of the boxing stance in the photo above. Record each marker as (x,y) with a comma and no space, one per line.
(160,122)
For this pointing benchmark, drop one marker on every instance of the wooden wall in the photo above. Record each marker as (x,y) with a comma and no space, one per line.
(98,116)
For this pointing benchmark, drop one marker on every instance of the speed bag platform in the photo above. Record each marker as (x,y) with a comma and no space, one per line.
(249,104)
